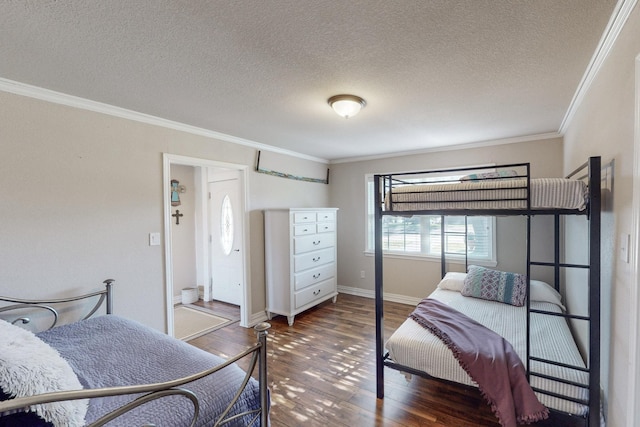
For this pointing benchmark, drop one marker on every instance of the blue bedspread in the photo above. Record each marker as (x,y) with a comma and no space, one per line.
(108,351)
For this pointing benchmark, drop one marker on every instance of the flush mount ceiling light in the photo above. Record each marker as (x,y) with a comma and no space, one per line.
(346,105)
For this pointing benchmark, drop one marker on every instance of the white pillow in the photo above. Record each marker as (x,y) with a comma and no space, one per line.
(29,366)
(452,281)
(541,291)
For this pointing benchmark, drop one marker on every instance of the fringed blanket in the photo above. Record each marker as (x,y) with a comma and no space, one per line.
(488,359)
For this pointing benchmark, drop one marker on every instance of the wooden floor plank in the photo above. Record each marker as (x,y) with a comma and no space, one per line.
(322,372)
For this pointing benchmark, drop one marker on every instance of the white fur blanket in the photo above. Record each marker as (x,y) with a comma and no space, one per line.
(29,366)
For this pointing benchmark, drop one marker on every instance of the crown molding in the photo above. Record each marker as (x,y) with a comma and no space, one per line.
(612,31)
(60,98)
(480,144)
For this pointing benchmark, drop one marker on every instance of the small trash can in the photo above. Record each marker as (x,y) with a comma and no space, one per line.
(189,295)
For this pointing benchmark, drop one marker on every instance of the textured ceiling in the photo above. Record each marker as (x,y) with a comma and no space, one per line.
(433,72)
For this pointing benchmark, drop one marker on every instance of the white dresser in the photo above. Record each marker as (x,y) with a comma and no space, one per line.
(300,259)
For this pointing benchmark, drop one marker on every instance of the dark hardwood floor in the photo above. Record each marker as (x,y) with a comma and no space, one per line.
(322,373)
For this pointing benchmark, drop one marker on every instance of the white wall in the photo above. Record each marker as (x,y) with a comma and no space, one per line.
(412,278)
(83,190)
(604,125)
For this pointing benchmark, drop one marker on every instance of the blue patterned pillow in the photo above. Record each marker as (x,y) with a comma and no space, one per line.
(494,285)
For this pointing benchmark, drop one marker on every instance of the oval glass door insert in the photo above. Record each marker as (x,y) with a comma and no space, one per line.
(226,225)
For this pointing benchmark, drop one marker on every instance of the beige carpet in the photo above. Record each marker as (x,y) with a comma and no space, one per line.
(189,323)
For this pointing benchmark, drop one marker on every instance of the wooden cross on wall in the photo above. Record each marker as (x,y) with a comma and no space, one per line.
(177,216)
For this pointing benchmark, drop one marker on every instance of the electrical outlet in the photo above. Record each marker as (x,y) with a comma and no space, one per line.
(362,274)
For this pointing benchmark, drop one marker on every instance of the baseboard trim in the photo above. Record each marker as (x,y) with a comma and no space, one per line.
(386,296)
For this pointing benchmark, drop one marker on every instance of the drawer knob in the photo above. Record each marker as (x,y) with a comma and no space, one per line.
(316,243)
(316,259)
(316,292)
(315,276)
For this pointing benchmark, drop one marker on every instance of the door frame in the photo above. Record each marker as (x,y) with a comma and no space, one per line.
(633,414)
(202,251)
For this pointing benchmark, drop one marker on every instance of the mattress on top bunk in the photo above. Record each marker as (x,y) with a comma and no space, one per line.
(413,346)
(546,193)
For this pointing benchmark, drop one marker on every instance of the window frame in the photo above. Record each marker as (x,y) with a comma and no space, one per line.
(490,261)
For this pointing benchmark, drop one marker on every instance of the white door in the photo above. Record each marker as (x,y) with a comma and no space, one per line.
(227,272)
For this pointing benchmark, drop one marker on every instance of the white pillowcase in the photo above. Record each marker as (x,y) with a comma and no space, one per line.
(452,281)
(540,291)
(29,366)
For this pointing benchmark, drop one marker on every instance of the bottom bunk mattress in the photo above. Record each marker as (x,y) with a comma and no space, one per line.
(108,351)
(415,347)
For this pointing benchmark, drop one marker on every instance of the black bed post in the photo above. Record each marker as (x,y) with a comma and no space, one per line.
(556,252)
(261,330)
(108,284)
(378,285)
(528,301)
(443,254)
(595,184)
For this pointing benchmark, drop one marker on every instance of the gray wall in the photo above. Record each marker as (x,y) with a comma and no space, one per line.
(418,278)
(83,190)
(604,125)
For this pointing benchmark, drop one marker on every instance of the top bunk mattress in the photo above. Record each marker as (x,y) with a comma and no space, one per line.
(546,193)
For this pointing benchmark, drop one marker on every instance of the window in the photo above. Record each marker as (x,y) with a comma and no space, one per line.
(422,236)
(226,225)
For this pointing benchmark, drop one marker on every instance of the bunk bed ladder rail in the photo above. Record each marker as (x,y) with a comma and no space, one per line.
(595,203)
(378,200)
(593,315)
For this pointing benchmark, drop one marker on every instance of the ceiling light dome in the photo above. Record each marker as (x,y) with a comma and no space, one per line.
(346,105)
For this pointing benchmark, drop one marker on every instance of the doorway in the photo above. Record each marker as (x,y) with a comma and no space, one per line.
(207,218)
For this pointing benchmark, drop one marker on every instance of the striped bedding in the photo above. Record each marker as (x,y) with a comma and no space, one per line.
(557,193)
(413,346)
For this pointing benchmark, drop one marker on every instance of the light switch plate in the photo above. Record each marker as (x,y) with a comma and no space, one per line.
(625,240)
(154,239)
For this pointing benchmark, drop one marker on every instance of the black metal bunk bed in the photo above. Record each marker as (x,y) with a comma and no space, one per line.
(466,203)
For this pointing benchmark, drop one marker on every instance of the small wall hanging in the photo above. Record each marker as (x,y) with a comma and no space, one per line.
(177,216)
(176,189)
(289,176)
(175,197)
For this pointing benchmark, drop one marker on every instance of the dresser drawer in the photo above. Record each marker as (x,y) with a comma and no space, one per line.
(326,216)
(325,227)
(314,242)
(312,293)
(304,217)
(313,259)
(304,229)
(310,277)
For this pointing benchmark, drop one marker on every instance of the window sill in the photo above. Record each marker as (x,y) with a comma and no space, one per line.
(450,259)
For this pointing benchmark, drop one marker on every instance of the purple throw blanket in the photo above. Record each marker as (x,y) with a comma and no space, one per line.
(489,360)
